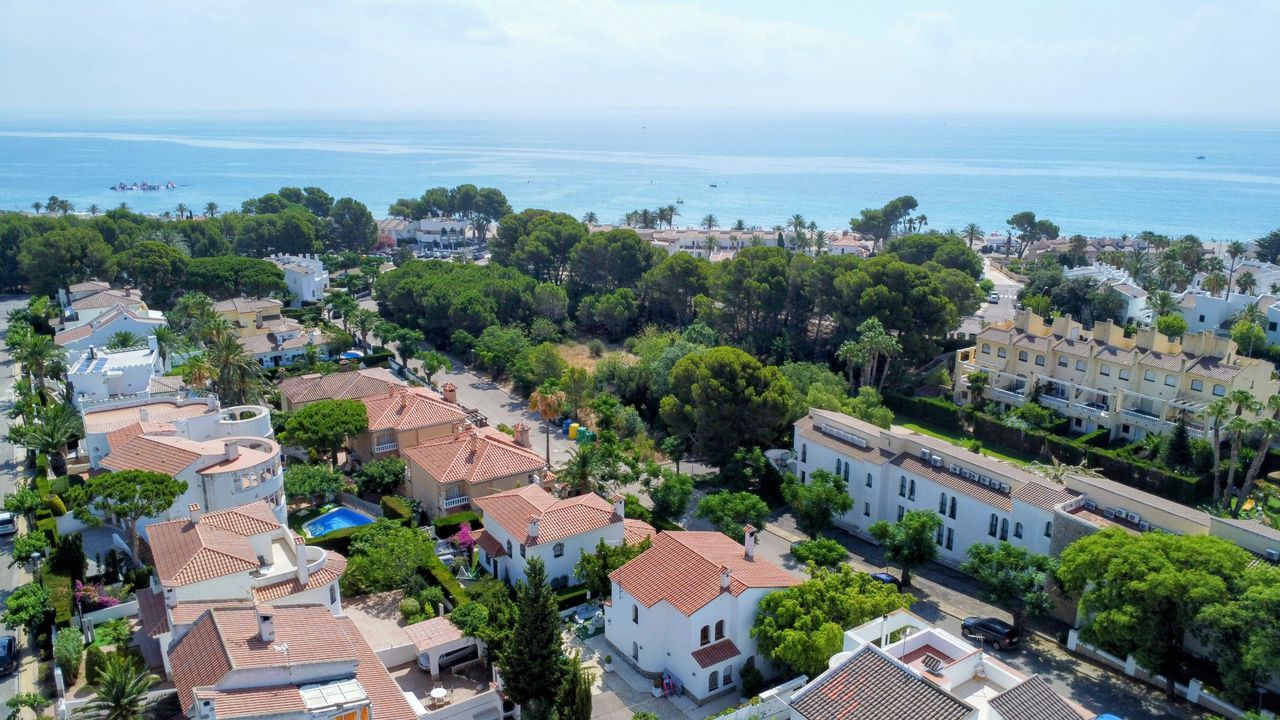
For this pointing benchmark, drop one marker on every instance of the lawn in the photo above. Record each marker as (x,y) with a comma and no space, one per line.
(1014,456)
(298,518)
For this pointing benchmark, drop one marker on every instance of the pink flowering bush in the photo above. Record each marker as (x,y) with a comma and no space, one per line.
(464,538)
(94,597)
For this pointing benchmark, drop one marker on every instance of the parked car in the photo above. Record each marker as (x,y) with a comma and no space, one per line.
(887,579)
(990,630)
(993,297)
(8,654)
(8,523)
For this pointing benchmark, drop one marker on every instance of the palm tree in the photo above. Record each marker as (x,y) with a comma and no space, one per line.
(211,209)
(364,321)
(1058,471)
(123,690)
(343,304)
(1237,428)
(579,472)
(37,206)
(1217,413)
(168,342)
(852,355)
(548,400)
(710,244)
(1267,429)
(1214,283)
(236,375)
(739,225)
(197,372)
(1161,302)
(50,432)
(819,242)
(1235,249)
(65,207)
(589,218)
(972,234)
(709,222)
(94,210)
(672,213)
(38,354)
(1246,283)
(182,210)
(124,339)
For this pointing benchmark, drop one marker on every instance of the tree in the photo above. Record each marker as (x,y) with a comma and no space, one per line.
(1029,229)
(1247,283)
(977,385)
(594,567)
(226,276)
(29,546)
(671,496)
(323,427)
(310,481)
(364,321)
(1248,336)
(157,269)
(872,344)
(972,234)
(574,699)
(354,229)
(1267,428)
(123,690)
(722,399)
(823,552)
(341,304)
(38,354)
(124,339)
(1235,250)
(1243,634)
(531,664)
(1171,326)
(68,650)
(910,541)
(1013,577)
(384,556)
(35,702)
(381,477)
(801,627)
(1142,593)
(730,511)
(709,222)
(236,376)
(27,607)
(548,400)
(50,431)
(673,447)
(433,361)
(54,260)
(127,495)
(817,502)
(1217,413)
(1214,283)
(577,385)
(499,347)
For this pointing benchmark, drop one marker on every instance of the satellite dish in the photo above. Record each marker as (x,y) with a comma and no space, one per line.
(271,338)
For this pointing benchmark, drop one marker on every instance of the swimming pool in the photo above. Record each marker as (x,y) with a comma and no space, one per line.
(336,520)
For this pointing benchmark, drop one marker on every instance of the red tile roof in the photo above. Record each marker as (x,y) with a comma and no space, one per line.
(716,653)
(1033,699)
(304,389)
(870,686)
(254,702)
(151,610)
(432,633)
(474,456)
(198,660)
(409,409)
(635,531)
(1043,496)
(187,552)
(489,544)
(108,298)
(151,453)
(385,695)
(683,568)
(557,519)
(331,571)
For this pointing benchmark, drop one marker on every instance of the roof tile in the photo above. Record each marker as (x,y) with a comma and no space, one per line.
(477,455)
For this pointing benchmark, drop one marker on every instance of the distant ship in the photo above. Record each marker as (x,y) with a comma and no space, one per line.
(144,185)
(1199,157)
(714,185)
(679,201)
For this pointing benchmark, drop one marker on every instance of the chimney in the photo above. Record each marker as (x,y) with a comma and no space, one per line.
(144,415)
(300,557)
(404,402)
(533,530)
(521,432)
(93,352)
(619,505)
(212,402)
(724,579)
(749,541)
(450,392)
(170,598)
(266,627)
(233,451)
(206,710)
(194,509)
(152,344)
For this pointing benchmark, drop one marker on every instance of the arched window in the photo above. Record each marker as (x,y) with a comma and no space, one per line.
(942,504)
(986,349)
(558,550)
(635,650)
(508,548)
(727,676)
(1022,355)
(1004,529)
(704,636)
(521,549)
(1017,530)
(719,629)
(635,614)
(993,525)
(713,681)
(953,508)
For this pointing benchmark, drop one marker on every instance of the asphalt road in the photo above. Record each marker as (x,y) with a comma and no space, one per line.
(1006,287)
(9,575)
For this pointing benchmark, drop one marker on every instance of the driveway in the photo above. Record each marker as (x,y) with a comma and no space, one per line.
(1008,289)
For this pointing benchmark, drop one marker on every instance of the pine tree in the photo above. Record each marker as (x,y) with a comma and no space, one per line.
(1175,451)
(574,702)
(532,669)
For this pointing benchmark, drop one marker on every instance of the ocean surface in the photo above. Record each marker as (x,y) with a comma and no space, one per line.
(1091,177)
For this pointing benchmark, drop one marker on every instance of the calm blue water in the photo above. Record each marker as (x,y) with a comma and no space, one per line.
(336,520)
(1090,177)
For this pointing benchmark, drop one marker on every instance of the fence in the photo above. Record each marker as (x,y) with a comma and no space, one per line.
(97,617)
(363,506)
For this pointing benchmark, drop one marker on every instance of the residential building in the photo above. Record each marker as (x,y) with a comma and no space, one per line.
(221,473)
(109,425)
(394,231)
(239,556)
(255,316)
(299,662)
(304,275)
(530,522)
(447,473)
(98,332)
(683,609)
(442,232)
(889,472)
(99,375)
(283,347)
(899,667)
(85,301)
(300,390)
(1100,378)
(850,243)
(1137,309)
(405,417)
(1218,313)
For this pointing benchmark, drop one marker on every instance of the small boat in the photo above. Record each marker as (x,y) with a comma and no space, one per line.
(679,201)
(1199,157)
(714,185)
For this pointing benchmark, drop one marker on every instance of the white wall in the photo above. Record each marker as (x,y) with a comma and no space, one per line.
(513,568)
(100,336)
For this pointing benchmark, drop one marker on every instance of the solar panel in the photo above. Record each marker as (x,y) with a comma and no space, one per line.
(102,362)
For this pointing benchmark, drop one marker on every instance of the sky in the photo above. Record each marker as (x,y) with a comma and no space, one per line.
(1082,58)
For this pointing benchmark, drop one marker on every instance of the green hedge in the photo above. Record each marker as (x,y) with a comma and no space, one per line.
(61,596)
(447,525)
(936,411)
(338,541)
(376,359)
(396,508)
(572,597)
(445,579)
(49,527)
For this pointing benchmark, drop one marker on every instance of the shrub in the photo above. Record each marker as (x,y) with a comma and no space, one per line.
(60,485)
(60,594)
(752,681)
(56,507)
(338,541)
(49,527)
(94,597)
(823,552)
(376,359)
(94,659)
(139,577)
(431,596)
(452,588)
(396,508)
(381,477)
(572,597)
(931,410)
(410,607)
(68,648)
(595,347)
(68,556)
(447,525)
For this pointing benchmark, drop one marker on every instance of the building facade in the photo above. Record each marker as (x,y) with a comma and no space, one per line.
(98,375)
(99,331)
(447,473)
(198,418)
(405,417)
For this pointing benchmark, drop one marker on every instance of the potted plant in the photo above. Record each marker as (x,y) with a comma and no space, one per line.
(608,663)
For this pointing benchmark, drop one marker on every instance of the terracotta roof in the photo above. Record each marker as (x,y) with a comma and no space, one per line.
(1077,348)
(75,333)
(683,568)
(1043,496)
(1027,340)
(331,571)
(716,653)
(409,409)
(151,453)
(254,518)
(432,633)
(187,552)
(513,509)
(88,285)
(246,305)
(186,613)
(1033,699)
(261,344)
(166,383)
(108,298)
(1164,361)
(385,695)
(158,410)
(1212,367)
(943,477)
(151,610)
(635,531)
(477,455)
(1112,353)
(198,660)
(246,457)
(489,544)
(303,389)
(870,686)
(255,702)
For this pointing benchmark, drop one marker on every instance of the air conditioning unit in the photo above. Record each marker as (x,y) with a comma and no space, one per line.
(964,473)
(936,460)
(1144,526)
(1272,555)
(856,440)
(1006,488)
(1090,505)
(1121,512)
(1134,517)
(984,479)
(955,468)
(924,454)
(1109,513)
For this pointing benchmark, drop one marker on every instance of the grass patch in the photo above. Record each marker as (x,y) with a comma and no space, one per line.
(1002,453)
(301,517)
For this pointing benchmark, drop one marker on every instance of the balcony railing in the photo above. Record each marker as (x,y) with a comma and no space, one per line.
(1009,396)
(455,502)
(1053,401)
(385,447)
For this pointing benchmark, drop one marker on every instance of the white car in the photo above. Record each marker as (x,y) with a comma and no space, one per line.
(993,298)
(8,523)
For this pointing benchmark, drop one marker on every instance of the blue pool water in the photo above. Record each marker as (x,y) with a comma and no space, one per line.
(336,520)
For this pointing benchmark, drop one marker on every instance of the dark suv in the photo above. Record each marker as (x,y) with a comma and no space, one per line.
(990,630)
(8,654)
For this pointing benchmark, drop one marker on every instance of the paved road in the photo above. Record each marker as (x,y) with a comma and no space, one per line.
(1007,288)
(10,577)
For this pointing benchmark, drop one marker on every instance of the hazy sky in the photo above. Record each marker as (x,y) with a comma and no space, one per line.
(1131,58)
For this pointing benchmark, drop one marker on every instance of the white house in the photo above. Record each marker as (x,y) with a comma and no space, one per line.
(85,301)
(441,232)
(235,556)
(1118,279)
(283,348)
(304,275)
(530,522)
(98,331)
(890,472)
(98,375)
(111,424)
(683,609)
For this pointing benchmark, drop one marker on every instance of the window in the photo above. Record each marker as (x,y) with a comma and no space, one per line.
(803,476)
(509,553)
(1202,318)
(1104,370)
(1080,365)
(1271,327)
(902,486)
(942,504)
(986,349)
(1004,529)
(868,479)
(837,466)
(635,614)
(1170,381)
(521,549)
(1197,386)
(937,537)
(333,593)
(1062,362)
(1022,356)
(713,681)
(993,525)
(1149,375)
(558,550)
(1219,390)
(704,635)
(727,675)
(952,514)
(911,490)
(866,509)
(635,650)
(719,629)
(1017,530)
(901,511)
(1040,360)
(804,452)
(846,473)
(1124,374)
(1002,352)
(1048,528)
(950,537)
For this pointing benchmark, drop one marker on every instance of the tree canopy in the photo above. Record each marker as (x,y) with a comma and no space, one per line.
(816,502)
(128,495)
(323,427)
(910,541)
(1012,576)
(730,511)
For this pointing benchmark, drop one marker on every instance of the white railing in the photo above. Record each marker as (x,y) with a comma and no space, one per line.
(449,503)
(385,447)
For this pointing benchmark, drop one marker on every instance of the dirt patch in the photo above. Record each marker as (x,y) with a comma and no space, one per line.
(577,354)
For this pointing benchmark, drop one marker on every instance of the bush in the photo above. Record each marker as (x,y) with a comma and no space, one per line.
(68,648)
(376,359)
(595,347)
(60,595)
(410,607)
(68,557)
(396,508)
(431,597)
(452,588)
(823,552)
(447,525)
(572,597)
(935,411)
(60,485)
(94,659)
(752,681)
(338,541)
(381,477)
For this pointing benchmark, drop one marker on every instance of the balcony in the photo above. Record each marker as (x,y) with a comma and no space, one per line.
(454,502)
(1095,411)
(1008,396)
(385,447)
(1055,402)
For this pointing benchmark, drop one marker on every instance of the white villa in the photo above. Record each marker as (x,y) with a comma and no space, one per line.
(98,331)
(304,275)
(109,426)
(100,375)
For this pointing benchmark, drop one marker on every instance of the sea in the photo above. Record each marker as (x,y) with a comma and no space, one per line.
(1218,180)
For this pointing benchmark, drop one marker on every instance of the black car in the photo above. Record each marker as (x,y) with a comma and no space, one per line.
(887,579)
(8,654)
(990,630)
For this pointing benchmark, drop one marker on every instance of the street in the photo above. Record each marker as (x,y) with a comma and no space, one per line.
(10,576)
(1006,287)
